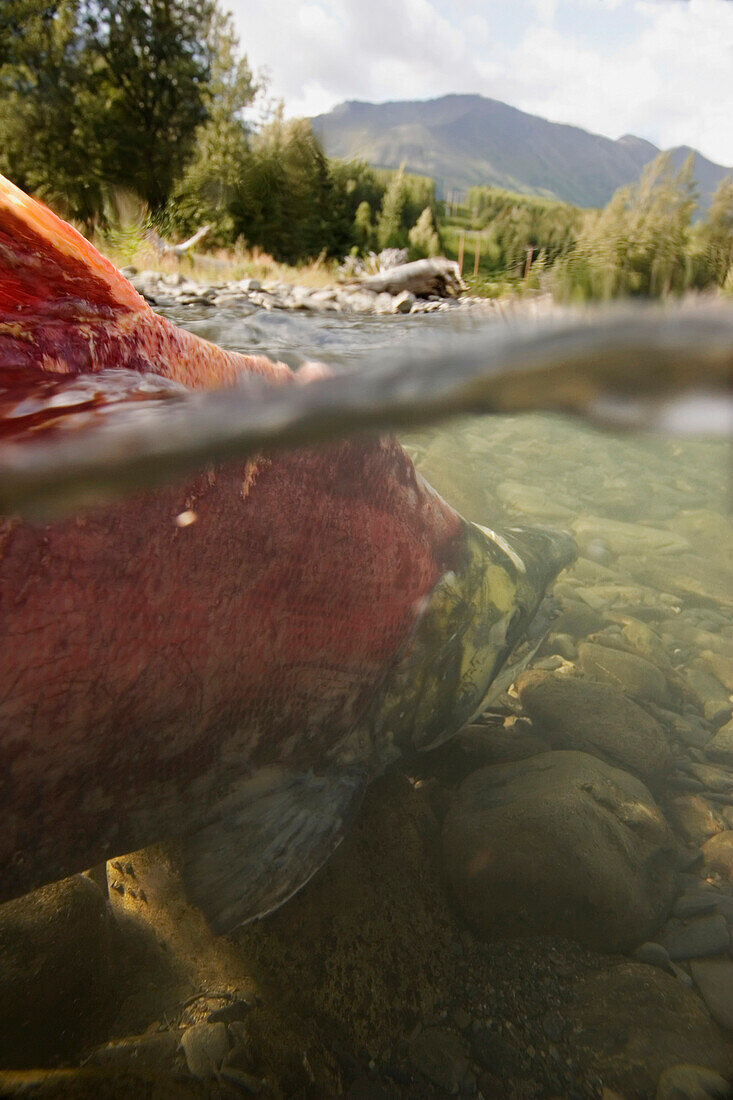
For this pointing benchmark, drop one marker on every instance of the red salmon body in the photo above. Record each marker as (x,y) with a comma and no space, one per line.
(211,652)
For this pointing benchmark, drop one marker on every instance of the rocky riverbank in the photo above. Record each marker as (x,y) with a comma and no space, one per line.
(168,291)
(542,908)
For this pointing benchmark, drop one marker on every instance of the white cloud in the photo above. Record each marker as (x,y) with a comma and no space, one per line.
(657,68)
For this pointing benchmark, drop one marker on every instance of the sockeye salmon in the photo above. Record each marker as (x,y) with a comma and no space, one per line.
(231,659)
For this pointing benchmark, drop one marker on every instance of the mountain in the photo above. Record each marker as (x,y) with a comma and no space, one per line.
(461,140)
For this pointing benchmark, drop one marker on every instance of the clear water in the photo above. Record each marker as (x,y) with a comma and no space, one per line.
(479,930)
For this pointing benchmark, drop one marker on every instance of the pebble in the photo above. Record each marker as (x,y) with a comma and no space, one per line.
(633,675)
(168,291)
(653,954)
(595,718)
(205,1047)
(693,905)
(714,979)
(686,1082)
(441,1056)
(706,935)
(58,948)
(714,778)
(720,748)
(559,844)
(718,855)
(693,817)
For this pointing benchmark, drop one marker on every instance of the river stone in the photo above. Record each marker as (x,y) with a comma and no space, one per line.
(98,1084)
(693,818)
(577,619)
(694,939)
(714,979)
(718,855)
(595,718)
(633,675)
(721,665)
(721,746)
(56,950)
(714,777)
(708,691)
(403,303)
(205,1047)
(686,1082)
(653,954)
(632,1022)
(560,844)
(627,538)
(477,746)
(441,1056)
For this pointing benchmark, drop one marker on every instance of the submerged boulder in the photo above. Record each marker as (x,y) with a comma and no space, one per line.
(56,972)
(560,844)
(595,718)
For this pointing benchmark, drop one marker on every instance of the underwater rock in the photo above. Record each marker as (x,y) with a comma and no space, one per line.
(633,675)
(157,1053)
(577,619)
(441,1056)
(653,954)
(627,538)
(692,817)
(718,855)
(595,718)
(713,777)
(707,690)
(96,1084)
(721,746)
(721,666)
(477,746)
(694,905)
(705,935)
(559,844)
(56,972)
(714,979)
(205,1046)
(634,1022)
(686,1082)
(692,577)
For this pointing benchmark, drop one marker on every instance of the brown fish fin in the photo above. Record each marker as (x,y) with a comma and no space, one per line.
(269,838)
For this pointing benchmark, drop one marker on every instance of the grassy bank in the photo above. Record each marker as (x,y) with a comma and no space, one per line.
(219,265)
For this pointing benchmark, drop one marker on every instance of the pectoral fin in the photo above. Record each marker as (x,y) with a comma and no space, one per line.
(269,838)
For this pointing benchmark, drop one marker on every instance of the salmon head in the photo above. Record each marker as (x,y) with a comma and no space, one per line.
(228,658)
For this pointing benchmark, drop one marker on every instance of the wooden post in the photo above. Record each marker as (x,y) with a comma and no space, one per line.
(461,246)
(528,264)
(477,255)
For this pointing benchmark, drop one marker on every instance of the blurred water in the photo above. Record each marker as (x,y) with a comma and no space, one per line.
(295,336)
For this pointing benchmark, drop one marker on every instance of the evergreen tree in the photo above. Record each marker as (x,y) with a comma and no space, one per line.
(97,94)
(717,233)
(364,232)
(638,244)
(208,191)
(424,239)
(390,230)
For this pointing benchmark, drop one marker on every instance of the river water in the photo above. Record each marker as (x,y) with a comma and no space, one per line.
(540,907)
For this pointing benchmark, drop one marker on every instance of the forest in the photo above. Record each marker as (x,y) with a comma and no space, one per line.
(104,103)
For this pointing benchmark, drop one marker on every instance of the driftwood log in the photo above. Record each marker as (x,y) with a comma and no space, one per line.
(423,278)
(178,249)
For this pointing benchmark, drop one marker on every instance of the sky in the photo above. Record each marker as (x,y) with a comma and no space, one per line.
(660,69)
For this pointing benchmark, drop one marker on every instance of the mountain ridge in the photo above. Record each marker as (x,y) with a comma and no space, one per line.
(463,140)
